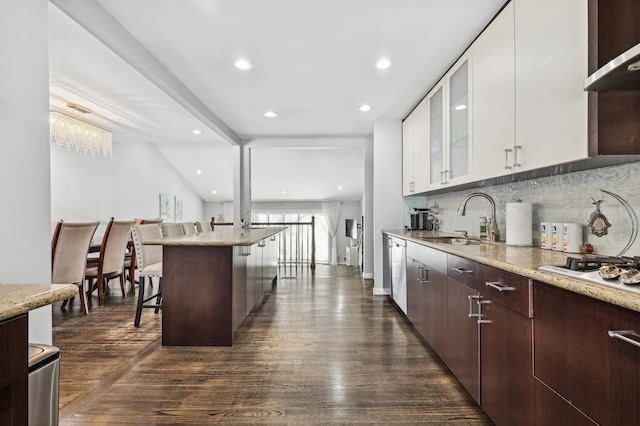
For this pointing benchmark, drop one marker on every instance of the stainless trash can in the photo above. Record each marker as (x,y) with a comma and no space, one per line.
(44,382)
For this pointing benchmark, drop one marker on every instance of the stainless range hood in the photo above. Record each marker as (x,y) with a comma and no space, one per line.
(621,74)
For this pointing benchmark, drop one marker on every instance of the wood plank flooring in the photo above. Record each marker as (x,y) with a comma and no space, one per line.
(320,350)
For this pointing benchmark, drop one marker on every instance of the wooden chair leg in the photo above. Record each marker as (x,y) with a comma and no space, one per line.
(101,284)
(83,298)
(122,283)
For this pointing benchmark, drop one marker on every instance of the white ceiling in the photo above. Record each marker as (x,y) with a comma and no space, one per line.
(154,70)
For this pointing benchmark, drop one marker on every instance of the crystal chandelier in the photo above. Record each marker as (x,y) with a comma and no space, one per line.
(72,133)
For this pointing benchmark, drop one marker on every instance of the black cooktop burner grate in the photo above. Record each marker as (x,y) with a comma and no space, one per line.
(592,263)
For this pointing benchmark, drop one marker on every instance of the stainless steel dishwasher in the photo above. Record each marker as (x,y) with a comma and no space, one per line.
(44,382)
(398,249)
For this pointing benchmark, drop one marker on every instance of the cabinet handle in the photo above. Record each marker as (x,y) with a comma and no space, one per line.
(423,275)
(515,155)
(623,335)
(499,286)
(506,158)
(471,299)
(262,244)
(462,271)
(443,177)
(411,186)
(272,238)
(480,320)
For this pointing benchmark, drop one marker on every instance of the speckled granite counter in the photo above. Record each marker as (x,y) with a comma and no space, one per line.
(222,236)
(16,299)
(524,261)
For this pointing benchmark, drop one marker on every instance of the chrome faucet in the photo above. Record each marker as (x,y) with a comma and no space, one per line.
(492,229)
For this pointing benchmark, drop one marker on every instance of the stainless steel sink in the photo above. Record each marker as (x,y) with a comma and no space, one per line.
(456,241)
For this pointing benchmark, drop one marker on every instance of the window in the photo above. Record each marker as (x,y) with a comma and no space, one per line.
(296,240)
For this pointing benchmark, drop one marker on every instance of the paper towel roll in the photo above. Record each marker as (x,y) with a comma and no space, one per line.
(519,226)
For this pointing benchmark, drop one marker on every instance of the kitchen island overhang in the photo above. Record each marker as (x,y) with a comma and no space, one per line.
(208,288)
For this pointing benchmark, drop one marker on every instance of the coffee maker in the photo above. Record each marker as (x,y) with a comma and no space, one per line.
(421,220)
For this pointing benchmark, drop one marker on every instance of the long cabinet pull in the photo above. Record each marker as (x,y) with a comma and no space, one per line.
(506,158)
(499,286)
(515,155)
(462,271)
(624,336)
(480,303)
(471,299)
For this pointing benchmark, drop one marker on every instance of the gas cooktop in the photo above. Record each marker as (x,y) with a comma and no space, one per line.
(588,267)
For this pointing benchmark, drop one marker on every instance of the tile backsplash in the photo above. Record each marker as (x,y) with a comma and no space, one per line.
(562,198)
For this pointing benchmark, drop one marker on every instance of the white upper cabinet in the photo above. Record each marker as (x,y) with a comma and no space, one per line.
(493,79)
(415,154)
(551,66)
(450,141)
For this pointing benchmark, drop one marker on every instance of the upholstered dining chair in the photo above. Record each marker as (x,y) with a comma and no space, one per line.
(149,260)
(203,226)
(130,257)
(189,228)
(69,249)
(112,257)
(172,229)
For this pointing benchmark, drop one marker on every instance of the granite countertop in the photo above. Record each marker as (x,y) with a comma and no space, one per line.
(223,236)
(524,261)
(17,299)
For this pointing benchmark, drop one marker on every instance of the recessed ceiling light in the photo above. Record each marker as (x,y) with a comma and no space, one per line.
(243,64)
(199,171)
(383,64)
(339,187)
(461,107)
(270,114)
(214,192)
(282,192)
(196,132)
(365,108)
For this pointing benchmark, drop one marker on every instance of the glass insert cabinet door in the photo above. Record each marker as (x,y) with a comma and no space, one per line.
(436,137)
(459,122)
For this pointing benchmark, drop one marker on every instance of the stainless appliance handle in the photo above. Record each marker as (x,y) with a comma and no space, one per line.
(499,286)
(623,335)
(462,271)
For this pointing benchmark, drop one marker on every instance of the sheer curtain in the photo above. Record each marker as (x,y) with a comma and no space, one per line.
(332,214)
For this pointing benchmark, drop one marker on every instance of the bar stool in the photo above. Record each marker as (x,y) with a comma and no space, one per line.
(149,260)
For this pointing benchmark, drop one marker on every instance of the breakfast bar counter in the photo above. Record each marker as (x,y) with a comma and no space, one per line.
(212,281)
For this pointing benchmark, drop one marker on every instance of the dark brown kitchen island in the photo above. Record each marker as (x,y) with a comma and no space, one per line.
(210,283)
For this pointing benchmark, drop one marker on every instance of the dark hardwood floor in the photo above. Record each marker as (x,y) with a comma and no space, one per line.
(319,350)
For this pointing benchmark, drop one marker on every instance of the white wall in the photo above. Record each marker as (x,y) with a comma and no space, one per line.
(367,201)
(125,186)
(387,187)
(25,242)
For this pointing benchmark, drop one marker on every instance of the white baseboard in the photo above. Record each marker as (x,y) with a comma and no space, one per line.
(367,275)
(380,292)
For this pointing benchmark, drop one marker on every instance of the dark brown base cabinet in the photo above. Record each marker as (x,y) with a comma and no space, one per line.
(462,352)
(483,332)
(427,294)
(581,354)
(14,371)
